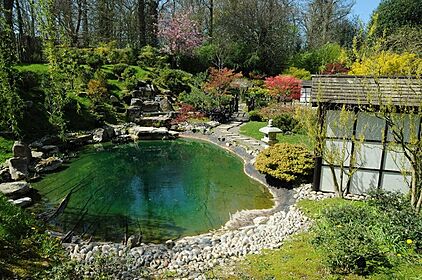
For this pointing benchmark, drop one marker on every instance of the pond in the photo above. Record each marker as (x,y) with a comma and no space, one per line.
(161,189)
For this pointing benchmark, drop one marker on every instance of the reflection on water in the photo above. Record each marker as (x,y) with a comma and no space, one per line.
(163,189)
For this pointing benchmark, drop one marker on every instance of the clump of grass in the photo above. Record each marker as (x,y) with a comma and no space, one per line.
(5,149)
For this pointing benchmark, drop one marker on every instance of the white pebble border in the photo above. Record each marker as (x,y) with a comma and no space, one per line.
(191,257)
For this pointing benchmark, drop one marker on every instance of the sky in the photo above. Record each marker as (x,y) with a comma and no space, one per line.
(364,9)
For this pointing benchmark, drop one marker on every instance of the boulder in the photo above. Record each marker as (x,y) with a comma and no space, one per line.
(165,105)
(18,168)
(21,150)
(37,155)
(15,189)
(47,140)
(103,134)
(80,140)
(133,112)
(136,102)
(48,165)
(22,202)
(49,149)
(5,175)
(151,106)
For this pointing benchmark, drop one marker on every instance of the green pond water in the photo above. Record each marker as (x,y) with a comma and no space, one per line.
(162,189)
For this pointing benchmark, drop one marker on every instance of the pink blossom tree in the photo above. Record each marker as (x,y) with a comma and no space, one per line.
(179,34)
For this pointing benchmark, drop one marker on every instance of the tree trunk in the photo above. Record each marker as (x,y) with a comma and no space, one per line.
(85,29)
(211,24)
(8,13)
(152,23)
(141,23)
(20,43)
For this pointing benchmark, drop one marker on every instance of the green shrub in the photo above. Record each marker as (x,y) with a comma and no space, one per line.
(97,90)
(176,81)
(299,73)
(151,57)
(255,116)
(286,162)
(401,223)
(118,69)
(353,240)
(276,109)
(285,122)
(23,243)
(132,83)
(128,73)
(94,60)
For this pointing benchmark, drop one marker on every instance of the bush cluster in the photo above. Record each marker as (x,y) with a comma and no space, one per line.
(23,238)
(369,237)
(286,162)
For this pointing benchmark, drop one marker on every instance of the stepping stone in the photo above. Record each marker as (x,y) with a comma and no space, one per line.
(224,126)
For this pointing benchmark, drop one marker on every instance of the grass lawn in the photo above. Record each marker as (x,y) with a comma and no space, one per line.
(5,149)
(251,129)
(299,259)
(36,68)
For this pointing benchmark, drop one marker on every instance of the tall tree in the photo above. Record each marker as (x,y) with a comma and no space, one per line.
(393,14)
(322,18)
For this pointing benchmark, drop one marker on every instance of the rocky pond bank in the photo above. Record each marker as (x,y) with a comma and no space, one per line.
(192,257)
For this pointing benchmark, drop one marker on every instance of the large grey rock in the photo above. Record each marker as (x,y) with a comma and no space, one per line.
(5,175)
(14,189)
(49,149)
(136,102)
(45,141)
(151,106)
(18,168)
(37,155)
(165,105)
(48,165)
(103,134)
(133,112)
(21,150)
(81,139)
(22,202)
(151,133)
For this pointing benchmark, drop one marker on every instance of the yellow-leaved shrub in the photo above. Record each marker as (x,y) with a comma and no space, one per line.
(388,64)
(286,162)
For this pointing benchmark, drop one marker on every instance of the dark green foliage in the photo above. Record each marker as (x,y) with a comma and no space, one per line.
(285,122)
(152,58)
(176,81)
(254,116)
(401,223)
(22,239)
(286,162)
(352,240)
(118,69)
(200,100)
(393,14)
(369,237)
(93,60)
(315,60)
(128,73)
(121,56)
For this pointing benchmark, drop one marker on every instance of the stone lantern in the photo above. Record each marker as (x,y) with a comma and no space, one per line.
(270,133)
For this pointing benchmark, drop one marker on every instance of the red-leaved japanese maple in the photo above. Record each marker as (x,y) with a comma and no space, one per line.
(284,88)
